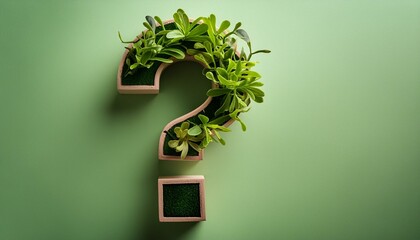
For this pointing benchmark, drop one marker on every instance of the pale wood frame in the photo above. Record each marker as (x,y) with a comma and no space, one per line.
(182,180)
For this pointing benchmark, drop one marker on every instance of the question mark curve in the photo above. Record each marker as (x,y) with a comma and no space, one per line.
(154,89)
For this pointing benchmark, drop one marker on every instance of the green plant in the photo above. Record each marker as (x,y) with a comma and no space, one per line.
(198,136)
(186,138)
(186,30)
(217,49)
(210,130)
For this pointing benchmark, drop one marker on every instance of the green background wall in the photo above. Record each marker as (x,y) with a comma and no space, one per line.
(333,153)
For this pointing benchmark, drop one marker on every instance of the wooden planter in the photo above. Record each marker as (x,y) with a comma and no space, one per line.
(181,199)
(143,89)
(154,89)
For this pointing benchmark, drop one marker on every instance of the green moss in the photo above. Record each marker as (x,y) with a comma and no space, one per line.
(144,76)
(181,200)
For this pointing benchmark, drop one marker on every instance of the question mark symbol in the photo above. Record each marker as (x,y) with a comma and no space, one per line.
(172,190)
(169,188)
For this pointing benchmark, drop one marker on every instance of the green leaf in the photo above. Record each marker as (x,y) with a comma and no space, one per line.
(160,22)
(232,106)
(203,118)
(235,114)
(178,132)
(218,92)
(134,66)
(218,127)
(234,78)
(181,146)
(207,138)
(262,51)
(243,54)
(237,25)
(178,20)
(195,131)
(250,93)
(258,92)
(222,72)
(241,102)
(219,55)
(186,21)
(184,150)
(259,99)
(238,67)
(228,54)
(243,126)
(207,56)
(250,64)
(175,34)
(223,26)
(184,134)
(195,146)
(220,120)
(185,125)
(231,65)
(210,76)
(219,137)
(163,32)
(256,84)
(212,38)
(197,38)
(225,105)
(174,52)
(198,30)
(243,35)
(182,21)
(151,22)
(252,74)
(212,25)
(173,143)
(208,47)
(195,22)
(147,25)
(164,60)
(198,138)
(200,58)
(233,31)
(199,45)
(193,51)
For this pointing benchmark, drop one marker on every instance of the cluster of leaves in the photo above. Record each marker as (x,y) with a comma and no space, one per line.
(216,48)
(155,45)
(198,136)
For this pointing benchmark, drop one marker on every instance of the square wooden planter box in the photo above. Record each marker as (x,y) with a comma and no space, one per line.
(181,199)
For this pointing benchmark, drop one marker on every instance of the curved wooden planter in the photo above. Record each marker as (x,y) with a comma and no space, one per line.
(154,89)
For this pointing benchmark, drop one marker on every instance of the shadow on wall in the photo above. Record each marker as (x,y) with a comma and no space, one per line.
(177,81)
(148,226)
(124,104)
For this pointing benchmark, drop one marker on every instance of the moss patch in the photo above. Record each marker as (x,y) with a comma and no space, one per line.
(145,76)
(181,200)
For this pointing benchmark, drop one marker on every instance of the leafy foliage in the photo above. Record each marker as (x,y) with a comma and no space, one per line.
(186,138)
(216,48)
